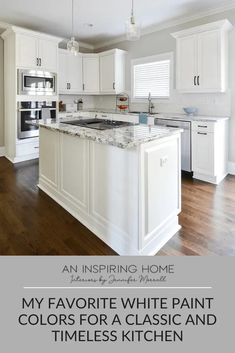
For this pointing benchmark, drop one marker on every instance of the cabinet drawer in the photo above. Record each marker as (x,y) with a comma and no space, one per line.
(27,148)
(202,126)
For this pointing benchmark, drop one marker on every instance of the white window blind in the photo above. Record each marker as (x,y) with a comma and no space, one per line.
(153,77)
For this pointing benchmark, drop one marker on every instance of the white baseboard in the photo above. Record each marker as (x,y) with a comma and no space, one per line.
(231,168)
(2,151)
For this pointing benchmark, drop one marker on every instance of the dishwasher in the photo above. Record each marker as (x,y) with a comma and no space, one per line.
(186,160)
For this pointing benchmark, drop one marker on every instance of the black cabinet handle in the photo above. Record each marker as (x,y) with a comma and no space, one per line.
(202,133)
(114,85)
(37,62)
(198,80)
(83,86)
(204,126)
(175,127)
(195,83)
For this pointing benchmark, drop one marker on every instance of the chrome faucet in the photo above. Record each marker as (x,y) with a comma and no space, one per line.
(151,105)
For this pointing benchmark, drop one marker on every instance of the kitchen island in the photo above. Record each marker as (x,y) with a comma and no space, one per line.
(124,184)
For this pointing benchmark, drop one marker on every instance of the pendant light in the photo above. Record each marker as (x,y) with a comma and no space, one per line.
(132,28)
(73,45)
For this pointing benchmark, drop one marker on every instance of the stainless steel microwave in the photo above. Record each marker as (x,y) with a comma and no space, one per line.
(35,82)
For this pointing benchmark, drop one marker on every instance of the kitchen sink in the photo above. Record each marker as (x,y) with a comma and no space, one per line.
(98,124)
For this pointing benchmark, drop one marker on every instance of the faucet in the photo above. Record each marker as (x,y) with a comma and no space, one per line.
(151,105)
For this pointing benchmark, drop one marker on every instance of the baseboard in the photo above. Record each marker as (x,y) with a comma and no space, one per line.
(231,168)
(2,151)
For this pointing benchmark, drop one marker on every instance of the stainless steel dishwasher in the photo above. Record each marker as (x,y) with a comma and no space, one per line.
(186,160)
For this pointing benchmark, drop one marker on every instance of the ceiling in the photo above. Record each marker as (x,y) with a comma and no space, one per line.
(108,17)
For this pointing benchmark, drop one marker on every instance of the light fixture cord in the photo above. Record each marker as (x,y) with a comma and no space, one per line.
(72,18)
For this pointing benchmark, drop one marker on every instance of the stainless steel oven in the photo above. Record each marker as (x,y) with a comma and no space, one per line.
(29,114)
(35,82)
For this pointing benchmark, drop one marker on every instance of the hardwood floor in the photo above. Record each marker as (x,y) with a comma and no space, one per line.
(33,224)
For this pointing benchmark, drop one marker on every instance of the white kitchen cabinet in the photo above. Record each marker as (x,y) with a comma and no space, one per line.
(26,51)
(210,150)
(112,71)
(36,52)
(90,73)
(48,55)
(70,73)
(22,50)
(202,58)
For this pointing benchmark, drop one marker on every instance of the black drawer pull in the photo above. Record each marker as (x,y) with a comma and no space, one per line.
(195,83)
(176,127)
(204,126)
(198,80)
(202,133)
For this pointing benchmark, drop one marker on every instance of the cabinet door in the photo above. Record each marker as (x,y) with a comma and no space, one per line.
(203,152)
(187,63)
(209,61)
(107,73)
(75,74)
(26,51)
(63,72)
(48,55)
(91,74)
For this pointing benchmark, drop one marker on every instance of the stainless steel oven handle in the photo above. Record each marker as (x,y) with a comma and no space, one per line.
(30,110)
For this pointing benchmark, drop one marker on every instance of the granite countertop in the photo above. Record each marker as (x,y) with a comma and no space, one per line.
(122,137)
(170,116)
(184,117)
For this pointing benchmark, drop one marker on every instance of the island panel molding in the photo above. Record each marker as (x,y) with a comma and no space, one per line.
(129,197)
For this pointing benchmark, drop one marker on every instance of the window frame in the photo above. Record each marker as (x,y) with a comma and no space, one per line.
(146,60)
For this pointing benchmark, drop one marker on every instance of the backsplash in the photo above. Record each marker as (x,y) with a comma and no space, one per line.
(88,101)
(207,104)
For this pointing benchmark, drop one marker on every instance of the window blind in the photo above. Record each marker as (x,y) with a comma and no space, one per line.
(153,77)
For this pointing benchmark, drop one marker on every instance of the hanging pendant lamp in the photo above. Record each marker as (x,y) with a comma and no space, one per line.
(73,45)
(132,28)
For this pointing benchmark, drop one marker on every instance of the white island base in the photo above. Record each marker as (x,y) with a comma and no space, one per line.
(130,198)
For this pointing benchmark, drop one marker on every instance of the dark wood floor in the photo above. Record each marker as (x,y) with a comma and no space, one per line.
(33,224)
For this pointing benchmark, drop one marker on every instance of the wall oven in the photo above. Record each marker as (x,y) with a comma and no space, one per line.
(35,82)
(29,114)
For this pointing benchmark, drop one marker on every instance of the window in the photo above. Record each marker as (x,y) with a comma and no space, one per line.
(152,75)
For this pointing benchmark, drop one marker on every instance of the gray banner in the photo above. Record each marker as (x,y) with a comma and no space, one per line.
(71,304)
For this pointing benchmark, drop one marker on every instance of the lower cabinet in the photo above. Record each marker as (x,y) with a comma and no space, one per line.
(210,150)
(26,149)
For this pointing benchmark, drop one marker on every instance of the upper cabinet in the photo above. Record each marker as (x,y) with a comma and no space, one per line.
(112,71)
(202,56)
(91,73)
(70,73)
(33,50)
(102,73)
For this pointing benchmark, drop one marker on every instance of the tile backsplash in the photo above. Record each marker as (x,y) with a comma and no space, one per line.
(218,104)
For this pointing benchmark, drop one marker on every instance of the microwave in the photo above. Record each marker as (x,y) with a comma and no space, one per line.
(35,82)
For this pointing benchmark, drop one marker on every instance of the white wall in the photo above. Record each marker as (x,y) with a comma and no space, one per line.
(208,104)
(1,96)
